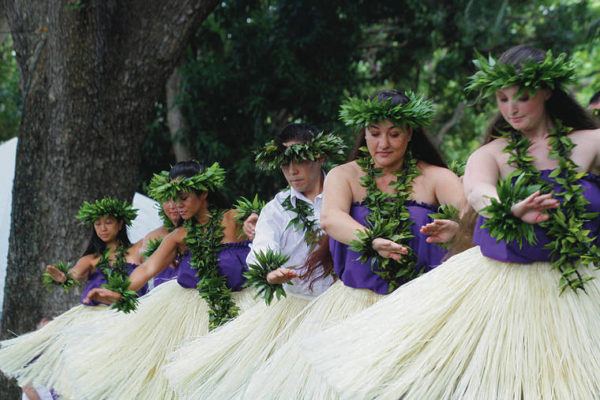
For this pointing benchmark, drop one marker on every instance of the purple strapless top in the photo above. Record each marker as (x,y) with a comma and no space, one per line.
(97,279)
(168,273)
(510,251)
(232,264)
(359,275)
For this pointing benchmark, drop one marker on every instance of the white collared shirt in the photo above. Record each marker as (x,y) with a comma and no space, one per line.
(271,233)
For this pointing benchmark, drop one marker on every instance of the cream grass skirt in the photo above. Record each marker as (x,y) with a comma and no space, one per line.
(37,357)
(122,360)
(217,365)
(287,375)
(473,328)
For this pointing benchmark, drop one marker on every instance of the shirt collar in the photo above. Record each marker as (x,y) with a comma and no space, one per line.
(294,194)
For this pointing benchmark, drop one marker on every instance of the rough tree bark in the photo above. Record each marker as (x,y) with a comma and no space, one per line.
(92,71)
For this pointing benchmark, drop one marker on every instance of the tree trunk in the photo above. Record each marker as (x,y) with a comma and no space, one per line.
(175,118)
(92,71)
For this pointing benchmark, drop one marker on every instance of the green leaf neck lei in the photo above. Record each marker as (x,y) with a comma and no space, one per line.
(388,218)
(117,278)
(204,241)
(304,220)
(570,243)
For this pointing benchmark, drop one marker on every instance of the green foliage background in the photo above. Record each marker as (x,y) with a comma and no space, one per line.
(256,65)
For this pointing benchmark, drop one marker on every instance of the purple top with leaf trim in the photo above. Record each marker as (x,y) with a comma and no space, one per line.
(359,275)
(232,265)
(97,279)
(511,252)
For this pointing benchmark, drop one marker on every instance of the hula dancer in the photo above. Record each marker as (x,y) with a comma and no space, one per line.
(517,316)
(37,358)
(171,219)
(380,205)
(124,358)
(216,366)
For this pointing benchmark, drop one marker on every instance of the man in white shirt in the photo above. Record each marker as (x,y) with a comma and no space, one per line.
(279,226)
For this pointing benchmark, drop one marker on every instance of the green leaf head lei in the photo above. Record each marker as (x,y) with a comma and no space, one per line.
(209,180)
(531,75)
(121,210)
(359,113)
(327,146)
(158,180)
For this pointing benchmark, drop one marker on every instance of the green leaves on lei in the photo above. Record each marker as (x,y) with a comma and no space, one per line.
(304,220)
(244,208)
(151,247)
(389,219)
(204,242)
(256,276)
(121,210)
(209,180)
(531,76)
(570,243)
(446,211)
(69,282)
(273,156)
(157,181)
(501,224)
(359,113)
(117,280)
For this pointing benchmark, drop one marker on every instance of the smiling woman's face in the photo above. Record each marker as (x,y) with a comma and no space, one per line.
(524,112)
(387,143)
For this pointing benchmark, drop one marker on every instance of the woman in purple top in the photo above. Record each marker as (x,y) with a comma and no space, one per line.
(37,357)
(167,211)
(517,316)
(383,198)
(128,350)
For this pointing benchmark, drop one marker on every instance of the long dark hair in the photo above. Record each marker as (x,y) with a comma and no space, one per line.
(320,257)
(420,145)
(96,246)
(560,106)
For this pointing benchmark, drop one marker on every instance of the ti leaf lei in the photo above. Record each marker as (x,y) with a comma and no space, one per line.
(117,279)
(304,220)
(204,242)
(256,276)
(570,243)
(151,247)
(245,207)
(272,156)
(388,218)
(69,282)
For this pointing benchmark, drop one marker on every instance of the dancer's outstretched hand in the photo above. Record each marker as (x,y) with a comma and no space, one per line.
(532,209)
(101,295)
(281,275)
(249,226)
(56,274)
(388,249)
(440,230)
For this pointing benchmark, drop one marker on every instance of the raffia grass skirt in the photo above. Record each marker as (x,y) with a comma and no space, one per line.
(37,357)
(217,365)
(121,358)
(473,328)
(286,374)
